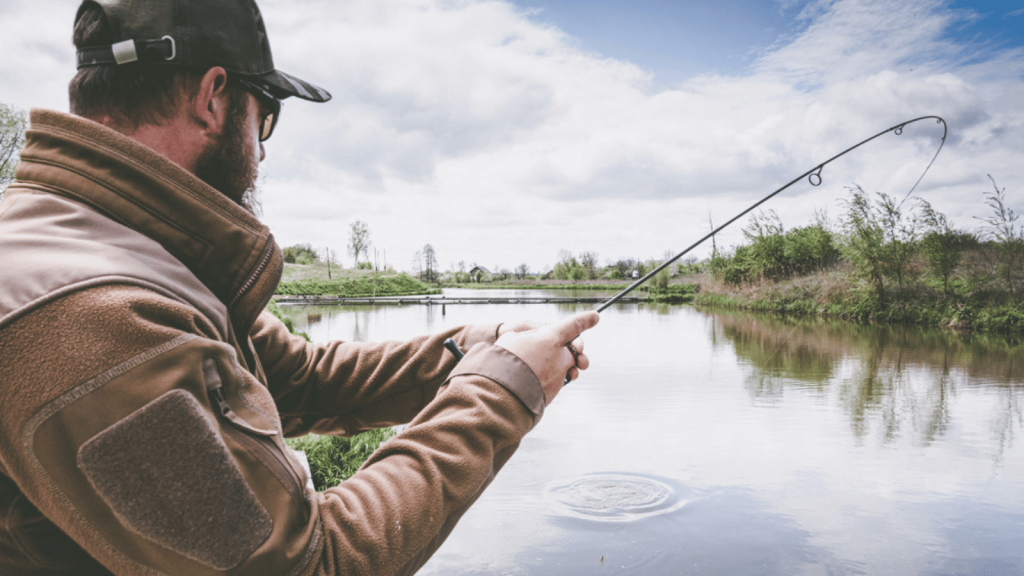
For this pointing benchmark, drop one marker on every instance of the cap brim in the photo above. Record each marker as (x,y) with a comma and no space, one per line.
(284,85)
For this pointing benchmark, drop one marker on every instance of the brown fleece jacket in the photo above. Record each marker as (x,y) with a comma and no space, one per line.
(145,398)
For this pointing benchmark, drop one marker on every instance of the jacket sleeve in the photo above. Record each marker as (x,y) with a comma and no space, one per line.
(136,433)
(343,388)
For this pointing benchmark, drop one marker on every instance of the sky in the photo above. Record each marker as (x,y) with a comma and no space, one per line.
(503,132)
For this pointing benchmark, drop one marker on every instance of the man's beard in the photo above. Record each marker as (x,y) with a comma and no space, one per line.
(229,166)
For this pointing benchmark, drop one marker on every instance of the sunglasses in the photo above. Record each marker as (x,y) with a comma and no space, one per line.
(268,120)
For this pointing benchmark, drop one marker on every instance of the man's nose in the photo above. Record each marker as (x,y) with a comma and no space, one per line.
(263,152)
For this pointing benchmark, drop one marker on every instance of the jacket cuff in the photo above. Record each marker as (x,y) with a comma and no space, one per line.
(486,333)
(505,368)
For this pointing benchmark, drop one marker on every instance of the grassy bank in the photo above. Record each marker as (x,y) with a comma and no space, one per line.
(357,287)
(540,285)
(836,293)
(321,271)
(678,293)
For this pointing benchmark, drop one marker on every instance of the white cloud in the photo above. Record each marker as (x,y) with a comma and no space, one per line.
(468,125)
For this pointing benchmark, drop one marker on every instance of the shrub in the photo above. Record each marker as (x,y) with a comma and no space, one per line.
(333,459)
(1007,235)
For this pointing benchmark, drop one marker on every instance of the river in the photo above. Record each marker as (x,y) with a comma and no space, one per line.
(710,442)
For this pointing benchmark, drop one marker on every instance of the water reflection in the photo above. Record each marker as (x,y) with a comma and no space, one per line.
(891,380)
(808,350)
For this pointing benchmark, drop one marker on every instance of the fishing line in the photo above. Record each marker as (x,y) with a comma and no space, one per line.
(813,177)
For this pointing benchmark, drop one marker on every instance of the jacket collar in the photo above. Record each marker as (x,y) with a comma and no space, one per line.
(227,248)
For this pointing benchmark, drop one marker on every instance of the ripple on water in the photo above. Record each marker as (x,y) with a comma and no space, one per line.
(616,497)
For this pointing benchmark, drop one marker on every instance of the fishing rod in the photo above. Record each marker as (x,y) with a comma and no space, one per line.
(813,177)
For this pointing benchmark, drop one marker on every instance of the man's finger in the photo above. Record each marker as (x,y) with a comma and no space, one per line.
(568,329)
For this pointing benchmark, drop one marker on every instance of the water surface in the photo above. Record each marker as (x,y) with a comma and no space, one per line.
(725,443)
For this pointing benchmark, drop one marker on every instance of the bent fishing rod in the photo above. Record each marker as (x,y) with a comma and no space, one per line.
(813,177)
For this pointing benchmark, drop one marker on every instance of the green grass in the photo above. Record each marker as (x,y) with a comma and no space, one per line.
(673,294)
(318,271)
(540,285)
(333,460)
(357,287)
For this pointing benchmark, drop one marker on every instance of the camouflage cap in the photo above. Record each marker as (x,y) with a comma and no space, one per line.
(197,34)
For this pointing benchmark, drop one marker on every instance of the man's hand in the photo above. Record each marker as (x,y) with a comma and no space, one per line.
(524,326)
(544,351)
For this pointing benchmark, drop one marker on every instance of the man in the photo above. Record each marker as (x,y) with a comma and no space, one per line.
(145,392)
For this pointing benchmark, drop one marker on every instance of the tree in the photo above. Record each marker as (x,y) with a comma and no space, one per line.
(12,138)
(942,246)
(900,235)
(1007,234)
(417,263)
(588,260)
(864,239)
(429,272)
(331,258)
(358,240)
(300,254)
(567,267)
(522,271)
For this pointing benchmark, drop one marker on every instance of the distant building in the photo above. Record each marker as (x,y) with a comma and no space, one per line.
(478,273)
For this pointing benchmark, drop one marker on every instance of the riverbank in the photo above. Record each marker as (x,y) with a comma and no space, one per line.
(539,285)
(677,293)
(836,293)
(357,287)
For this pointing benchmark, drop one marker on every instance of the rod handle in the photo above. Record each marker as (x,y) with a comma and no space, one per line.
(454,349)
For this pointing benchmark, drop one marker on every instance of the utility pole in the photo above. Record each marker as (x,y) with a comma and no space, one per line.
(328,252)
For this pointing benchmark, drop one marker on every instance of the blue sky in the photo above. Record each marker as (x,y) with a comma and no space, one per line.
(677,40)
(674,40)
(502,132)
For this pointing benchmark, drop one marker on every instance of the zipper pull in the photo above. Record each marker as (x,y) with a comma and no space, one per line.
(215,389)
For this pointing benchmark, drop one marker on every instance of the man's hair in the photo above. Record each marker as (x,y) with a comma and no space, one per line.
(131,95)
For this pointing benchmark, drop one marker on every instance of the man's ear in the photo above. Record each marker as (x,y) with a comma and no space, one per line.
(210,105)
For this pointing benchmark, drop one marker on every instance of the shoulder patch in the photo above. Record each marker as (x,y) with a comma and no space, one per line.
(168,475)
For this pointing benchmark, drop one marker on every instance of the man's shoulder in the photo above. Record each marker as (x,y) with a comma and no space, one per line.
(54,247)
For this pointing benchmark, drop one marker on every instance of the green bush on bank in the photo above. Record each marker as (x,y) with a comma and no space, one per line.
(377,285)
(894,262)
(774,253)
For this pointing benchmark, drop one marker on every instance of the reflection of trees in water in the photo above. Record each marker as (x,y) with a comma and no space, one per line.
(891,379)
(882,389)
(1007,420)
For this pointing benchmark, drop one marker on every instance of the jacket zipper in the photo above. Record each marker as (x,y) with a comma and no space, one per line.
(276,461)
(256,440)
(267,253)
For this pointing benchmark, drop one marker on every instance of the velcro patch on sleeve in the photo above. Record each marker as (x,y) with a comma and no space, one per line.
(168,475)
